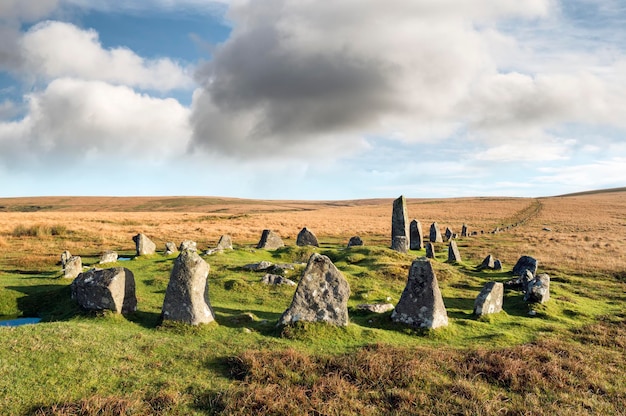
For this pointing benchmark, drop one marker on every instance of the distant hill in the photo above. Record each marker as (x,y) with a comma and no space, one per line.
(596,191)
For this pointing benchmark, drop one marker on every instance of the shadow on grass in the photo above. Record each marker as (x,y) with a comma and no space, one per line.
(48,302)
(262,321)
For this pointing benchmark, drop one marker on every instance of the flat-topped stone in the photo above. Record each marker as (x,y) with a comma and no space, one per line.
(105,289)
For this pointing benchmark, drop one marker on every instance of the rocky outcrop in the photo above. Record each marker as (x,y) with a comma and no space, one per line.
(321,296)
(421,304)
(105,289)
(187,293)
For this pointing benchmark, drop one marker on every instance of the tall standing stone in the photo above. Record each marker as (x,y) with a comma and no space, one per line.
(435,233)
(144,245)
(453,252)
(416,235)
(270,241)
(399,224)
(187,293)
(430,250)
(65,256)
(489,300)
(464,232)
(421,304)
(106,289)
(448,234)
(321,296)
(73,267)
(306,238)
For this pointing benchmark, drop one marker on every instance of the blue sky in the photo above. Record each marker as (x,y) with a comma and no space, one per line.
(283,99)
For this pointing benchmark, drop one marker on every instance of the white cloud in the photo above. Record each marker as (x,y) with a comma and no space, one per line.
(55,49)
(74,120)
(599,174)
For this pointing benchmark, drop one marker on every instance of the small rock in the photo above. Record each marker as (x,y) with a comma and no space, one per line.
(274,279)
(225,243)
(73,267)
(258,267)
(375,307)
(170,248)
(108,257)
(355,241)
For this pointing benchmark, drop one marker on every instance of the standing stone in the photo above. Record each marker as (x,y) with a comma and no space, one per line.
(416,235)
(188,245)
(106,289)
(489,299)
(497,264)
(170,248)
(321,296)
(538,289)
(399,224)
(488,263)
(435,234)
(306,238)
(421,304)
(525,263)
(225,243)
(187,293)
(453,252)
(448,234)
(400,244)
(355,241)
(430,250)
(144,245)
(65,256)
(108,256)
(270,241)
(464,232)
(73,267)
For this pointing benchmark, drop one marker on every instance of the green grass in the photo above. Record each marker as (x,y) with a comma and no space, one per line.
(76,361)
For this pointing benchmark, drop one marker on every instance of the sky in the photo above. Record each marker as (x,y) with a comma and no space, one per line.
(306,99)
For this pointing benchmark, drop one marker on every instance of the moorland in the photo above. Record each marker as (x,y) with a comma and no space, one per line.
(566,356)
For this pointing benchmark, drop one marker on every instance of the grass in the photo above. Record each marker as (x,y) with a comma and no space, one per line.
(568,358)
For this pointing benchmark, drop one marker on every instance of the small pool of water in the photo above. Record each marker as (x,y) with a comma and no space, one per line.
(123,259)
(19,321)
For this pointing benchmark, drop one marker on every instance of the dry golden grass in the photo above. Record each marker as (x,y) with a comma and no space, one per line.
(587,232)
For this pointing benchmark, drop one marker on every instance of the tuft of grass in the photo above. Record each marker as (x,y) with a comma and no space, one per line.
(39,230)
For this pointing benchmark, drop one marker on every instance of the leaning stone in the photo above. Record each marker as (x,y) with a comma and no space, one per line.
(258,267)
(416,235)
(453,252)
(306,238)
(421,304)
(170,248)
(187,293)
(430,250)
(448,234)
(538,289)
(355,241)
(274,279)
(105,289)
(270,241)
(497,264)
(188,245)
(375,307)
(65,256)
(464,232)
(399,221)
(435,234)
(321,296)
(73,267)
(225,243)
(488,263)
(525,263)
(108,257)
(400,244)
(489,299)
(144,245)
